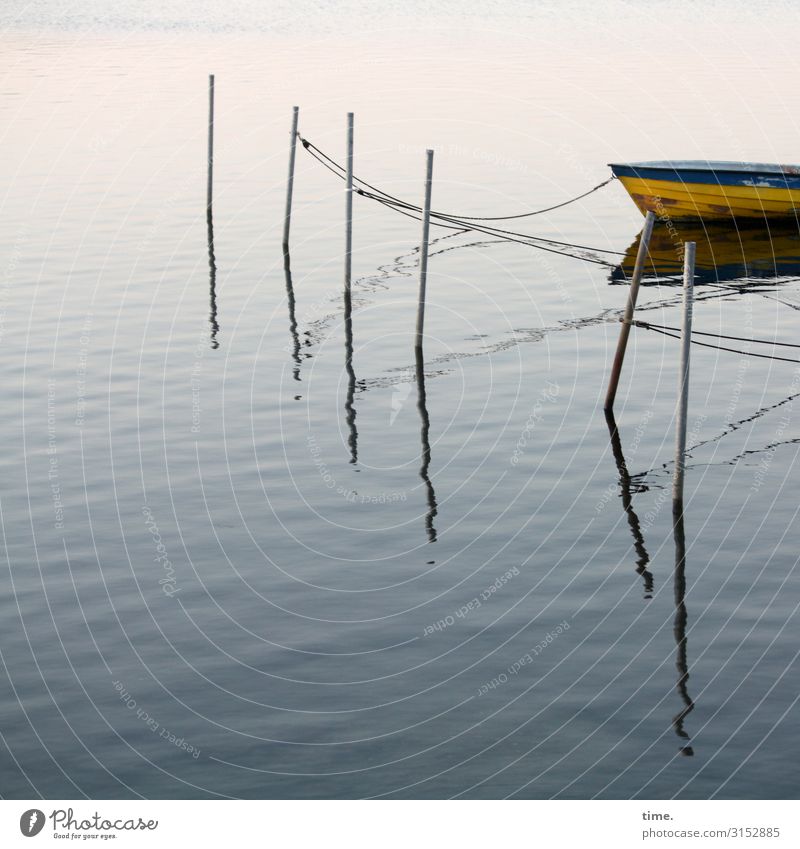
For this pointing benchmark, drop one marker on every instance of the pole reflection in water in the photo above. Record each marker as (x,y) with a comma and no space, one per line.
(350,410)
(287,271)
(627,488)
(212,280)
(679,628)
(425,426)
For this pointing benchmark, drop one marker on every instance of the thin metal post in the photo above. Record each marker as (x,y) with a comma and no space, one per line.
(209,188)
(290,182)
(630,306)
(423,255)
(348,250)
(683,384)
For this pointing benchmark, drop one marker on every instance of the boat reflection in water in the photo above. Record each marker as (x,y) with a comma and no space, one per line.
(724,252)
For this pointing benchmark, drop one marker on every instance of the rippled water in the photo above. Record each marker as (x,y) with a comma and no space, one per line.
(253,549)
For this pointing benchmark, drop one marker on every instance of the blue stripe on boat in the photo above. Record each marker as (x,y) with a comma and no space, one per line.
(721,174)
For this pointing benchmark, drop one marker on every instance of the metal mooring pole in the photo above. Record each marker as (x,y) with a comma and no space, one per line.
(423,251)
(348,249)
(290,183)
(630,306)
(210,185)
(683,383)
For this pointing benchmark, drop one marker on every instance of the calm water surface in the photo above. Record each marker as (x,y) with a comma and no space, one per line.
(251,547)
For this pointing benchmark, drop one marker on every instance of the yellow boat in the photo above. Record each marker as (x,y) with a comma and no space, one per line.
(712,190)
(750,253)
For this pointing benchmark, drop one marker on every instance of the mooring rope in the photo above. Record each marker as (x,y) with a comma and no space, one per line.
(541,211)
(484,228)
(537,242)
(664,331)
(648,326)
(309,146)
(464,222)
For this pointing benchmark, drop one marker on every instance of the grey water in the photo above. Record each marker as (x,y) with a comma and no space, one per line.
(251,547)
